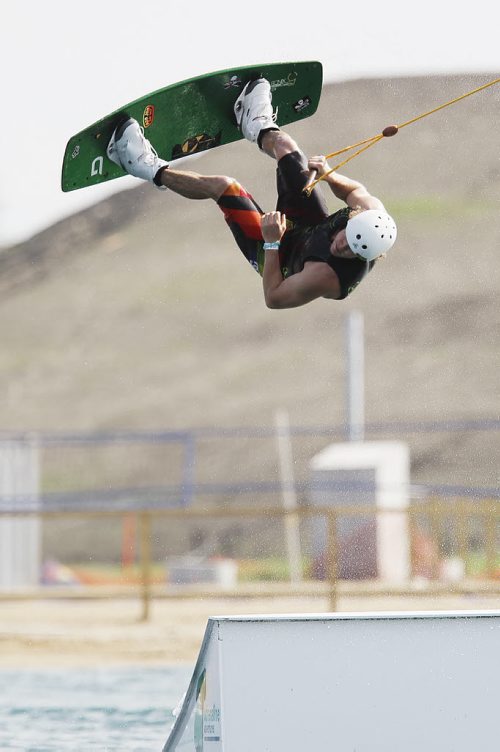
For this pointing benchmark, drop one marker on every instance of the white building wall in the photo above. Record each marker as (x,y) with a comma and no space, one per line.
(19,536)
(346,466)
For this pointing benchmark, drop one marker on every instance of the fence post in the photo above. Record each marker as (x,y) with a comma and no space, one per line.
(146,564)
(462,516)
(188,473)
(491,538)
(332,558)
(436,522)
(412,527)
(129,525)
(289,495)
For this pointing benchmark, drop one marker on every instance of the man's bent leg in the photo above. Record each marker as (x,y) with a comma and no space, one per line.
(193,185)
(292,177)
(241,212)
(243,216)
(133,152)
(277,144)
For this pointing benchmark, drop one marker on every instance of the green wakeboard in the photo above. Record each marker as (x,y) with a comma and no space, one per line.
(191,116)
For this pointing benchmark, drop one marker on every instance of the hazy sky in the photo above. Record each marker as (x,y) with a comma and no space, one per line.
(66,64)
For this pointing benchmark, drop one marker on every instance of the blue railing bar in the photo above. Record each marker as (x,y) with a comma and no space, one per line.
(174,496)
(45,438)
(54,437)
(485,424)
(423,489)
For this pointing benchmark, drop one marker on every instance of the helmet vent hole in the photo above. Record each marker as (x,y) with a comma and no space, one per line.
(358,237)
(364,247)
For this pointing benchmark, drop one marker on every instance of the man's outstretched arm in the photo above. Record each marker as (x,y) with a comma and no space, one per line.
(353,193)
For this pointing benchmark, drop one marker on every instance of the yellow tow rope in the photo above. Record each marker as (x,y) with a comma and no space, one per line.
(390,130)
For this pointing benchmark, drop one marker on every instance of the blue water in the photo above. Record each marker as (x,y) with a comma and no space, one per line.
(126,709)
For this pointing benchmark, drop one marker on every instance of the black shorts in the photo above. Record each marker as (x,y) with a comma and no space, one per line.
(243,214)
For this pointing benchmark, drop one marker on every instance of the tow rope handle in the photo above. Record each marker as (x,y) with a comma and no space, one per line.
(388,131)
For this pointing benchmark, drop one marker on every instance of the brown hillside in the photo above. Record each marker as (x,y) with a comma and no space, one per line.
(141,313)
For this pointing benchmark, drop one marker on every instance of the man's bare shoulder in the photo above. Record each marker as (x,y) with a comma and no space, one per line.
(323,278)
(361,199)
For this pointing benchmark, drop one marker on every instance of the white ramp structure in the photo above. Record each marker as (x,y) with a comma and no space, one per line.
(382,682)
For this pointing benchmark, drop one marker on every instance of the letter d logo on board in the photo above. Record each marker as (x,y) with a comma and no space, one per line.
(97,166)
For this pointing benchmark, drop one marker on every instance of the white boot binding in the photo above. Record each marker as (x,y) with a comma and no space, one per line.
(253,110)
(131,150)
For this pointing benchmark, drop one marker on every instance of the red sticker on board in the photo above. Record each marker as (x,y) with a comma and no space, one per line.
(148,115)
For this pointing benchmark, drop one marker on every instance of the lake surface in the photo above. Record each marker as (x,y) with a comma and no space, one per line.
(126,709)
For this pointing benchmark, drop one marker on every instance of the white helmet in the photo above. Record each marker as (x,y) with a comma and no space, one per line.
(371,233)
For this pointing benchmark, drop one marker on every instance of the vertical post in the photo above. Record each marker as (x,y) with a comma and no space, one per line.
(355,376)
(292,527)
(462,518)
(412,526)
(435,520)
(129,525)
(491,537)
(188,470)
(332,558)
(146,564)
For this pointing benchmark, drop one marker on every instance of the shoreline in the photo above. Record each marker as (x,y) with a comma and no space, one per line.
(74,634)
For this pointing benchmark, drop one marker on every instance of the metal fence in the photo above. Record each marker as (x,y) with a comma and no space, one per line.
(181,468)
(464,532)
(118,508)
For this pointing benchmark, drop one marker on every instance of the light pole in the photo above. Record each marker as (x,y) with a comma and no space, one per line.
(355,381)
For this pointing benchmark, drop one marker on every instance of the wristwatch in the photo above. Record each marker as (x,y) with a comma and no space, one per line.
(272,246)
